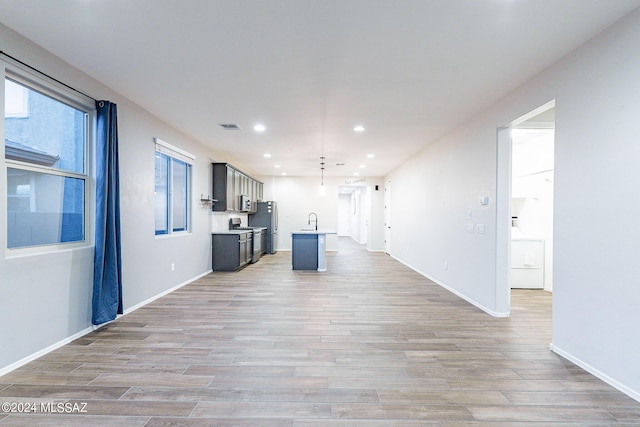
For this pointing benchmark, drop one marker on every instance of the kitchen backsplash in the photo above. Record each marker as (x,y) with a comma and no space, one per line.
(220,220)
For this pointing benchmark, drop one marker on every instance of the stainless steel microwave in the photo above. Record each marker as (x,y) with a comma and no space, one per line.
(245,203)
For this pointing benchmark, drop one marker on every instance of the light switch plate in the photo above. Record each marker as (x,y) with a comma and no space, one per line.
(470,227)
(480,228)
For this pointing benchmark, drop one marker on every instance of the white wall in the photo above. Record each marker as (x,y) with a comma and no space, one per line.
(344,217)
(46,298)
(596,292)
(298,196)
(355,212)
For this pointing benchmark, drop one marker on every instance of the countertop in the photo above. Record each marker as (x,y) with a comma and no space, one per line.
(232,232)
(321,231)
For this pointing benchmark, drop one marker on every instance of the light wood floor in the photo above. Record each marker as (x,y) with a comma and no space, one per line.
(368,343)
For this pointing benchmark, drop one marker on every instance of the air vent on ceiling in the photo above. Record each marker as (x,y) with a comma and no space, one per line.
(229,126)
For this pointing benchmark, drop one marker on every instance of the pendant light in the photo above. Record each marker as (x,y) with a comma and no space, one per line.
(322,156)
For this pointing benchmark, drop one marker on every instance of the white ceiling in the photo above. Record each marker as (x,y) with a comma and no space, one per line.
(310,70)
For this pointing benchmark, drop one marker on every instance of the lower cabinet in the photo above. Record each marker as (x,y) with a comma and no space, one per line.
(304,251)
(527,263)
(231,251)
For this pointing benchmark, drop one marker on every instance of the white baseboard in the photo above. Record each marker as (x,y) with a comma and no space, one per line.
(46,350)
(604,377)
(453,291)
(55,346)
(161,294)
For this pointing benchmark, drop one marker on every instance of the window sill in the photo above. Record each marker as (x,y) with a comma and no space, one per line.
(32,251)
(171,235)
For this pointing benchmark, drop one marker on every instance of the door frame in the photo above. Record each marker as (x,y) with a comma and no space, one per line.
(503,208)
(387,217)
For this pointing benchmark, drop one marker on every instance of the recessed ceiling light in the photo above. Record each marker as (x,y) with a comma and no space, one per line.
(358,128)
(356,174)
(276,166)
(284,173)
(259,128)
(267,155)
(362,166)
(371,156)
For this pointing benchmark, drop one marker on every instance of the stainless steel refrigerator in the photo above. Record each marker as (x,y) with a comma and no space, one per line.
(267,216)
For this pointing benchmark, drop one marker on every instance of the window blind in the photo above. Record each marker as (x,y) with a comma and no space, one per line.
(173,151)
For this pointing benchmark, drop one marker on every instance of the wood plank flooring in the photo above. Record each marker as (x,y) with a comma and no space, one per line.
(368,343)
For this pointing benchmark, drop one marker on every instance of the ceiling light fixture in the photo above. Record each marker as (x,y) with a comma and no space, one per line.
(363,166)
(259,128)
(358,128)
(276,166)
(267,155)
(371,156)
(322,169)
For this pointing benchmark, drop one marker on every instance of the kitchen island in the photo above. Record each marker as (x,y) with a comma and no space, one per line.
(308,249)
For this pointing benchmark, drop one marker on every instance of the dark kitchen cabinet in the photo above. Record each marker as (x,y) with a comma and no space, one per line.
(231,251)
(304,251)
(229,184)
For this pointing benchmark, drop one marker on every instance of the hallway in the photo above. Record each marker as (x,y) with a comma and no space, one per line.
(369,342)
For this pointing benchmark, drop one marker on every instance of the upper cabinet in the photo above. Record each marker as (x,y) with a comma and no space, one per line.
(232,188)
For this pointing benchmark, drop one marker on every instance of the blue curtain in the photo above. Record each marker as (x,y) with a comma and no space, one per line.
(107,270)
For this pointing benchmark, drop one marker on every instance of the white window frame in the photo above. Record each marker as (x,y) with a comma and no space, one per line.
(176,153)
(29,78)
(24,108)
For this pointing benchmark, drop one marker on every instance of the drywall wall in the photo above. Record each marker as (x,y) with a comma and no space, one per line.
(47,296)
(344,215)
(597,97)
(298,196)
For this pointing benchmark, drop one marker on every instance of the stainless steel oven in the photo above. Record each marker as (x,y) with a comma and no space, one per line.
(257,244)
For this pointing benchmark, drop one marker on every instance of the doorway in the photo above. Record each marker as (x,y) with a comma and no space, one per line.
(524,253)
(532,169)
(354,206)
(387,217)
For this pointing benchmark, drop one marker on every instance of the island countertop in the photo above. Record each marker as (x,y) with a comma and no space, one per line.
(308,231)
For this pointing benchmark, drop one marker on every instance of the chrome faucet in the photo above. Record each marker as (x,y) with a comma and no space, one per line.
(316,219)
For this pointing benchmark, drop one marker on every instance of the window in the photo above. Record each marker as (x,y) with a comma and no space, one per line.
(172,188)
(45,145)
(16,100)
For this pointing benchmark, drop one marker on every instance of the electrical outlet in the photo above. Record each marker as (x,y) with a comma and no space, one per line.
(173,266)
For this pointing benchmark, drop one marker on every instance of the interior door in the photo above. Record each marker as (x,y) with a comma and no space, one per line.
(387,217)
